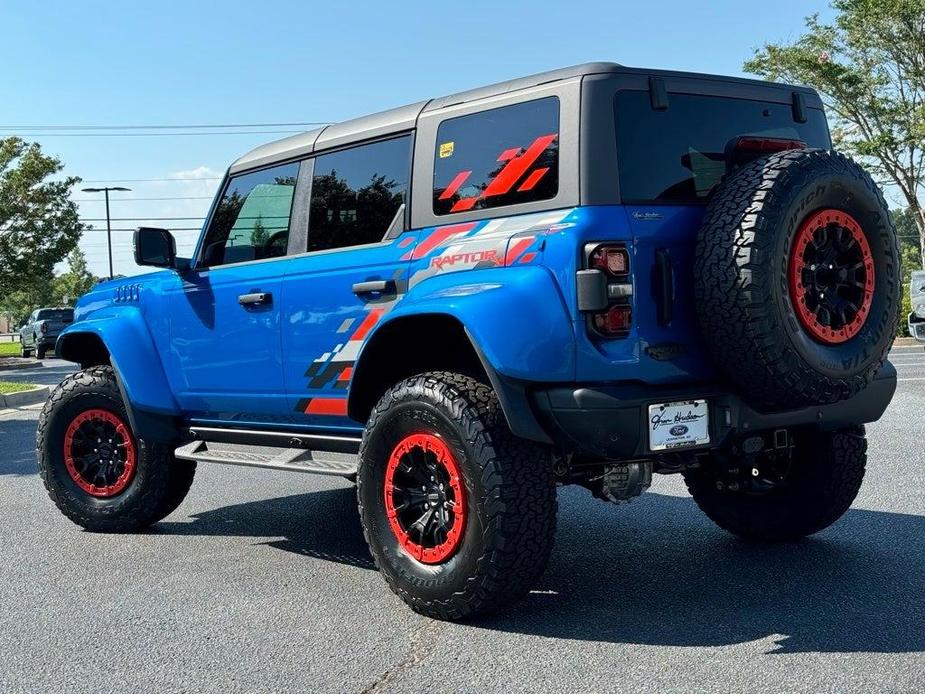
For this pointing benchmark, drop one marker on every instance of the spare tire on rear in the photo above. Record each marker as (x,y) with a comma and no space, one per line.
(797,279)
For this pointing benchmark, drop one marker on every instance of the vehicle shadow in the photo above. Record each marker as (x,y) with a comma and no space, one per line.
(17,447)
(657,572)
(323,525)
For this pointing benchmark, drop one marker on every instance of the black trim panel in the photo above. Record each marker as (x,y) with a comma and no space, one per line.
(610,421)
(279,439)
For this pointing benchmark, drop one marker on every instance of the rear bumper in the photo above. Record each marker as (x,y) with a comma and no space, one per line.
(611,420)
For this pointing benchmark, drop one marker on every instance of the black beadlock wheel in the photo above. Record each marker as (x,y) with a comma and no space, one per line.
(459,514)
(779,501)
(98,473)
(797,279)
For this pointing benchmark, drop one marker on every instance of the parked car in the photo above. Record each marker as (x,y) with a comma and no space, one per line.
(581,277)
(916,318)
(41,331)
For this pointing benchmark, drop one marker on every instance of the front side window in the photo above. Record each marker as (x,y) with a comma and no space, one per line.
(251,221)
(357,193)
(503,156)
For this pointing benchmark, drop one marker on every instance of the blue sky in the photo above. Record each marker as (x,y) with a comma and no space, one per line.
(171,62)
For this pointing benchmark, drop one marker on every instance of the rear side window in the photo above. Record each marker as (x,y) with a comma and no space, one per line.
(499,157)
(357,193)
(251,221)
(678,155)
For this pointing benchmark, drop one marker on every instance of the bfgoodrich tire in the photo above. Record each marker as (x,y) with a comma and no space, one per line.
(797,279)
(458,513)
(95,470)
(822,479)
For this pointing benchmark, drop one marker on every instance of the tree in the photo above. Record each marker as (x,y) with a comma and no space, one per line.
(38,221)
(74,283)
(869,67)
(910,258)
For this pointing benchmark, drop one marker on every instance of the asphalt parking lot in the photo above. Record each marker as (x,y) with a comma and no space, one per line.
(261,582)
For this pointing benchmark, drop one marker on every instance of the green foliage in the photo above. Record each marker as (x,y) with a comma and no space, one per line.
(74,283)
(8,387)
(869,67)
(38,221)
(910,258)
(63,290)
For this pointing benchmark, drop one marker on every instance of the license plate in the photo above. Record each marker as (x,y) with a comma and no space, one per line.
(678,425)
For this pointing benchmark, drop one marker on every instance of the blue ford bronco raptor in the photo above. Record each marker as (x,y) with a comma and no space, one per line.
(581,277)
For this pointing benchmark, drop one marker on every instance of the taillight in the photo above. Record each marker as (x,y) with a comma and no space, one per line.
(43,328)
(744,149)
(611,259)
(615,321)
(605,290)
(767,145)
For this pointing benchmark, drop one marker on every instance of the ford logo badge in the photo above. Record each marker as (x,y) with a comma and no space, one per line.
(678,430)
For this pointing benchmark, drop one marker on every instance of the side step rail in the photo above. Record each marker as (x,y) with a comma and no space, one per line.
(272,457)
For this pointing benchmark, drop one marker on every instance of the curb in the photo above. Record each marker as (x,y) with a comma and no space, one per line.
(25,397)
(15,363)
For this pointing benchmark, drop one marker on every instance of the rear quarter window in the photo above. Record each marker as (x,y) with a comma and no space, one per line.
(498,157)
(677,155)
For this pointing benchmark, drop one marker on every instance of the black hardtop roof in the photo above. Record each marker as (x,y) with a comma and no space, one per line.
(405,117)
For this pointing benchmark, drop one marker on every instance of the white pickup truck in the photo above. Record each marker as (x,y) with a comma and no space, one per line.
(917,296)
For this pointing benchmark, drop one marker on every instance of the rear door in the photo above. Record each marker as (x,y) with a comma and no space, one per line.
(225,313)
(670,160)
(353,272)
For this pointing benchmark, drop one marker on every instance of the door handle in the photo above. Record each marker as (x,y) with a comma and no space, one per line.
(374,287)
(256,299)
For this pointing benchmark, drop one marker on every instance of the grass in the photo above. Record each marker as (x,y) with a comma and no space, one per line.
(9,349)
(6,387)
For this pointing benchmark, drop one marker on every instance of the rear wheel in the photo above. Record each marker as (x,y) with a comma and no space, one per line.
(40,351)
(459,514)
(95,469)
(776,498)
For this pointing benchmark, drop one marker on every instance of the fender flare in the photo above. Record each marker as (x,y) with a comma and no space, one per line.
(124,334)
(517,323)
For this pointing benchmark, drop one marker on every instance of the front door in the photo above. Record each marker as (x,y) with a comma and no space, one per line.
(225,312)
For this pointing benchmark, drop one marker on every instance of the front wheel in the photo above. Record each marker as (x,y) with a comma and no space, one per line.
(95,469)
(776,498)
(23,352)
(459,514)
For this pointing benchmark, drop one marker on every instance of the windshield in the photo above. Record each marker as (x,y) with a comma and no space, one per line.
(62,314)
(677,155)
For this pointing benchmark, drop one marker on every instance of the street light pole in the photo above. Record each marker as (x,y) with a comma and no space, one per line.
(108,233)
(108,225)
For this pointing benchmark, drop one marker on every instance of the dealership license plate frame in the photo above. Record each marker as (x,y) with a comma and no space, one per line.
(678,413)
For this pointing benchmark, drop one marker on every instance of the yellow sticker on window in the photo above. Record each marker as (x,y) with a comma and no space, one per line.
(446,150)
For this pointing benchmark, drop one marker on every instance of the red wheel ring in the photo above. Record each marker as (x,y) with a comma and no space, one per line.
(99,453)
(425,500)
(831,276)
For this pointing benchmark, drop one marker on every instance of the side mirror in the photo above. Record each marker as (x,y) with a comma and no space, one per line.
(157,248)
